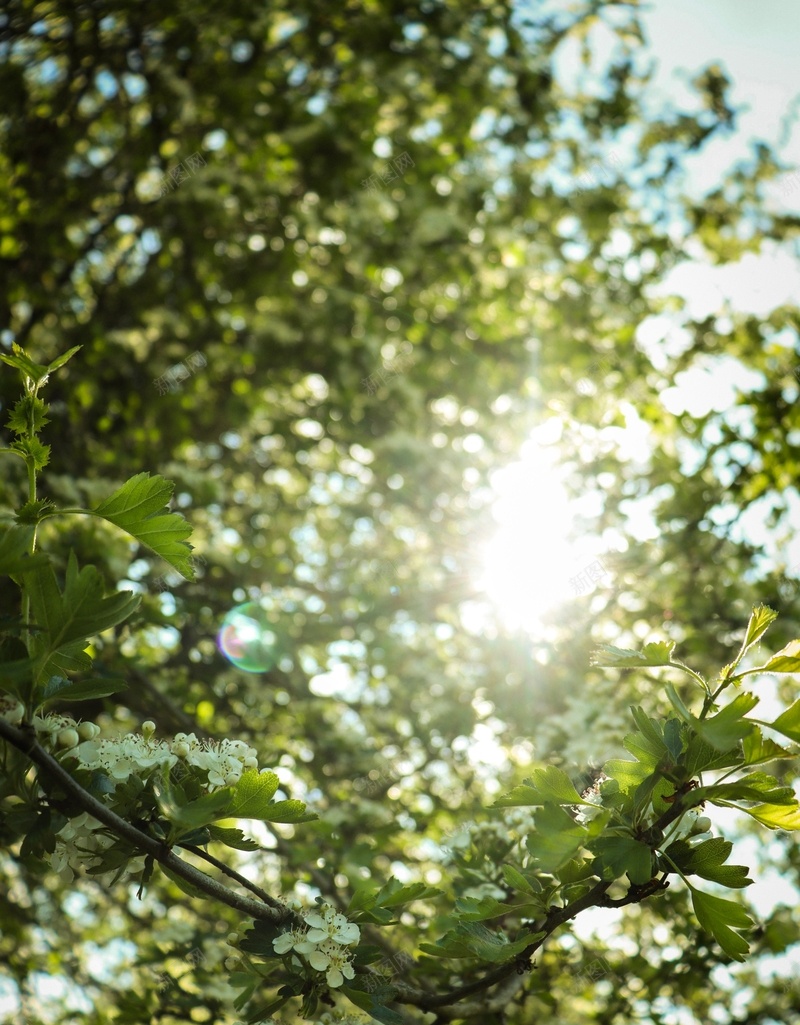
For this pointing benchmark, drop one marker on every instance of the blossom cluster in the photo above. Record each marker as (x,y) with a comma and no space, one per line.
(138,754)
(323,941)
(82,841)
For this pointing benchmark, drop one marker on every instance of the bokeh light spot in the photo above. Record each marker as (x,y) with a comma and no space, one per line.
(248,639)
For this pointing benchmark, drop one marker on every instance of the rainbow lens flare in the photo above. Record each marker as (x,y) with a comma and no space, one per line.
(248,639)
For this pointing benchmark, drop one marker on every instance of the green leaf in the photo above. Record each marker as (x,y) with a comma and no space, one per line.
(369,1002)
(471,939)
(139,507)
(523,883)
(653,743)
(81,690)
(618,855)
(59,361)
(723,730)
(31,448)
(788,723)
(15,546)
(479,909)
(29,415)
(756,786)
(707,859)
(757,748)
(285,811)
(393,893)
(258,939)
(556,839)
(35,372)
(197,813)
(721,917)
(253,794)
(656,653)
(67,620)
(787,660)
(760,619)
(629,775)
(234,838)
(545,785)
(776,816)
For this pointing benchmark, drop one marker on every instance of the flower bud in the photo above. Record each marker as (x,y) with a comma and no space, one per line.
(181,749)
(702,825)
(233,938)
(68,738)
(13,712)
(148,729)
(88,730)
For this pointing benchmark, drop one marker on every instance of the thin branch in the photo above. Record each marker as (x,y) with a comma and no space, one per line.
(233,874)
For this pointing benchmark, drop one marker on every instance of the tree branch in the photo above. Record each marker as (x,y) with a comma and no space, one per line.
(24,740)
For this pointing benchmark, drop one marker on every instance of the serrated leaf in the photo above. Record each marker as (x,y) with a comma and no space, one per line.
(776,816)
(81,690)
(723,730)
(234,838)
(15,545)
(524,884)
(139,507)
(38,453)
(707,859)
(756,786)
(253,794)
(480,909)
(629,775)
(618,855)
(656,653)
(545,785)
(556,838)
(721,917)
(787,660)
(652,745)
(28,415)
(471,939)
(259,938)
(200,812)
(67,620)
(59,361)
(757,748)
(728,727)
(286,811)
(34,371)
(394,893)
(788,723)
(760,619)
(370,1002)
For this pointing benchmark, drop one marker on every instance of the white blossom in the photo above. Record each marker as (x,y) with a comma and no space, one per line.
(333,959)
(324,941)
(331,926)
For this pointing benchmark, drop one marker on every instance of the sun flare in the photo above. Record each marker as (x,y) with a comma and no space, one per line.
(529,565)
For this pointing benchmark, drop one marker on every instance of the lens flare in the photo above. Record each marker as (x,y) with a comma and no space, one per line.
(248,639)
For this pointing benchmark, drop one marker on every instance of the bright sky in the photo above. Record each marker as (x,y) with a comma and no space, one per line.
(530,567)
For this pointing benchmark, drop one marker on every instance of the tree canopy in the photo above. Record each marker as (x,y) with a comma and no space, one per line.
(325,268)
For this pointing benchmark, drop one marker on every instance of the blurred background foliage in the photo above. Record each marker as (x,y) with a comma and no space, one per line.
(290,201)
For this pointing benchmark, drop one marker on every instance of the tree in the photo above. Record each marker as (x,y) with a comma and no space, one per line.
(371,353)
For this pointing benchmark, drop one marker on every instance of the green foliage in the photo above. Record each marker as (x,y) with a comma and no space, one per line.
(139,508)
(493,266)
